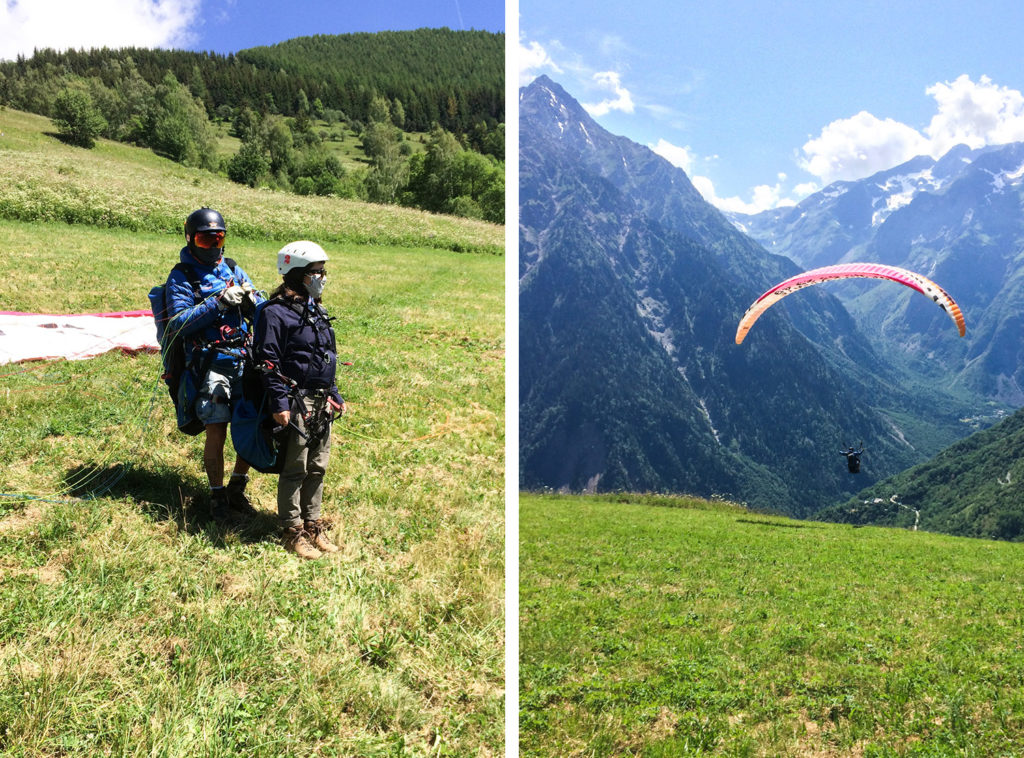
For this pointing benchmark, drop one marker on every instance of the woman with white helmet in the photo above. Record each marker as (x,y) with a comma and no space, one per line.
(293,335)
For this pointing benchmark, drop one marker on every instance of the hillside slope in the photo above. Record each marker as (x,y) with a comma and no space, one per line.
(455,78)
(630,290)
(118,186)
(973,488)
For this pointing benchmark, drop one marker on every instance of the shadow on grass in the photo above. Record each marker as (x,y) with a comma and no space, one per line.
(164,495)
(68,140)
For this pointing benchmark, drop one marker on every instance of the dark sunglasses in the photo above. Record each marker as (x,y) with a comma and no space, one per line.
(319,272)
(209,239)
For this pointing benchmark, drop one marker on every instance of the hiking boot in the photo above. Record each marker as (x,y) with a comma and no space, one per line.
(220,510)
(317,531)
(237,499)
(297,541)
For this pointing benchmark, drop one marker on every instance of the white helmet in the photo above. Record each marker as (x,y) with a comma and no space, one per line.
(299,255)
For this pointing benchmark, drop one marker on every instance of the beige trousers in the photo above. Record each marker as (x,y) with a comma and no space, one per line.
(301,484)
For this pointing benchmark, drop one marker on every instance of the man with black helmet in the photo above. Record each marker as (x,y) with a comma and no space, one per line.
(208,299)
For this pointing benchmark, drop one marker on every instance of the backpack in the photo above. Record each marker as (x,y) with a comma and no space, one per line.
(179,377)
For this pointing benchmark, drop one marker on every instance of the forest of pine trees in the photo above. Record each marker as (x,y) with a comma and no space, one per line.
(281,103)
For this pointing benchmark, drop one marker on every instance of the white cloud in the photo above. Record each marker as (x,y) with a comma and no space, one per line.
(224,13)
(612,45)
(765,197)
(680,157)
(804,189)
(534,60)
(975,114)
(600,92)
(63,24)
(856,147)
(623,100)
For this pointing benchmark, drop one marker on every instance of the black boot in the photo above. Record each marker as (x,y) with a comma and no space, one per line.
(236,496)
(220,510)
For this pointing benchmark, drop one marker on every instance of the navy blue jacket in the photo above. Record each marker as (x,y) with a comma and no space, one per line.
(202,320)
(299,341)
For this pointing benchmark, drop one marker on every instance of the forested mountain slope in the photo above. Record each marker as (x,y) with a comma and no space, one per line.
(454,78)
(972,489)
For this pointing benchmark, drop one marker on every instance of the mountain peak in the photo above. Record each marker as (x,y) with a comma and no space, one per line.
(544,83)
(545,101)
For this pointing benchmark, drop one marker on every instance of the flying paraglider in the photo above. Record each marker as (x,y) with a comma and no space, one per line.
(853,457)
(910,279)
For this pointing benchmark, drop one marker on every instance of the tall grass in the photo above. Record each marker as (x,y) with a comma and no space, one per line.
(129,625)
(709,630)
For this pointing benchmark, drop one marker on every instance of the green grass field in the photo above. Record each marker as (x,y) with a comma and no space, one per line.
(131,626)
(669,627)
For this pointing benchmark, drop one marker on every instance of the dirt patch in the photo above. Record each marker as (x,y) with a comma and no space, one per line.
(22,520)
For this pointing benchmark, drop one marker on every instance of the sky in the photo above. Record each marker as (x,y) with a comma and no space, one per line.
(222,26)
(763,103)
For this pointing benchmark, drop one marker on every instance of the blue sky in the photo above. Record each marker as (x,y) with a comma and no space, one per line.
(763,102)
(222,26)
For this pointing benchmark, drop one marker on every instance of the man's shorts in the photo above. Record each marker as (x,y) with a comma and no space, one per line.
(222,383)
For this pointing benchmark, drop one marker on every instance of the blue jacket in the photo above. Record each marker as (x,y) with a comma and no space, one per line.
(200,321)
(299,341)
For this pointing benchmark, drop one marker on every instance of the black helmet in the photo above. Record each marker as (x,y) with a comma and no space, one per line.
(204,220)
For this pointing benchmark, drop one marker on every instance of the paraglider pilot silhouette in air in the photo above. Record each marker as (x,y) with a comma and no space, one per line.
(853,458)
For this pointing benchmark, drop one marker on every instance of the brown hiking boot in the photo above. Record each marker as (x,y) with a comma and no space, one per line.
(297,541)
(317,531)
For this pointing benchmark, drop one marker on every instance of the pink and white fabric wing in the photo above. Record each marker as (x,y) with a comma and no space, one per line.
(915,281)
(39,336)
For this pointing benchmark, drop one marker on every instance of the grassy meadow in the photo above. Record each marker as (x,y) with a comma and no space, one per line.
(120,186)
(131,626)
(661,626)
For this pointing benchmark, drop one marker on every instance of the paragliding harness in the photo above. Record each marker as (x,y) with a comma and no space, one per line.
(181,376)
(256,437)
(853,458)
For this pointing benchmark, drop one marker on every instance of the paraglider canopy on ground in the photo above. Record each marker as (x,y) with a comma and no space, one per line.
(35,336)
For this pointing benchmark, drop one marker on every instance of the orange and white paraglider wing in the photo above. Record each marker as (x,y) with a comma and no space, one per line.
(910,279)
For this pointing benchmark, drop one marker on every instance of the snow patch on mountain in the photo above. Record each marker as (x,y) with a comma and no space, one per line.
(1004,179)
(899,190)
